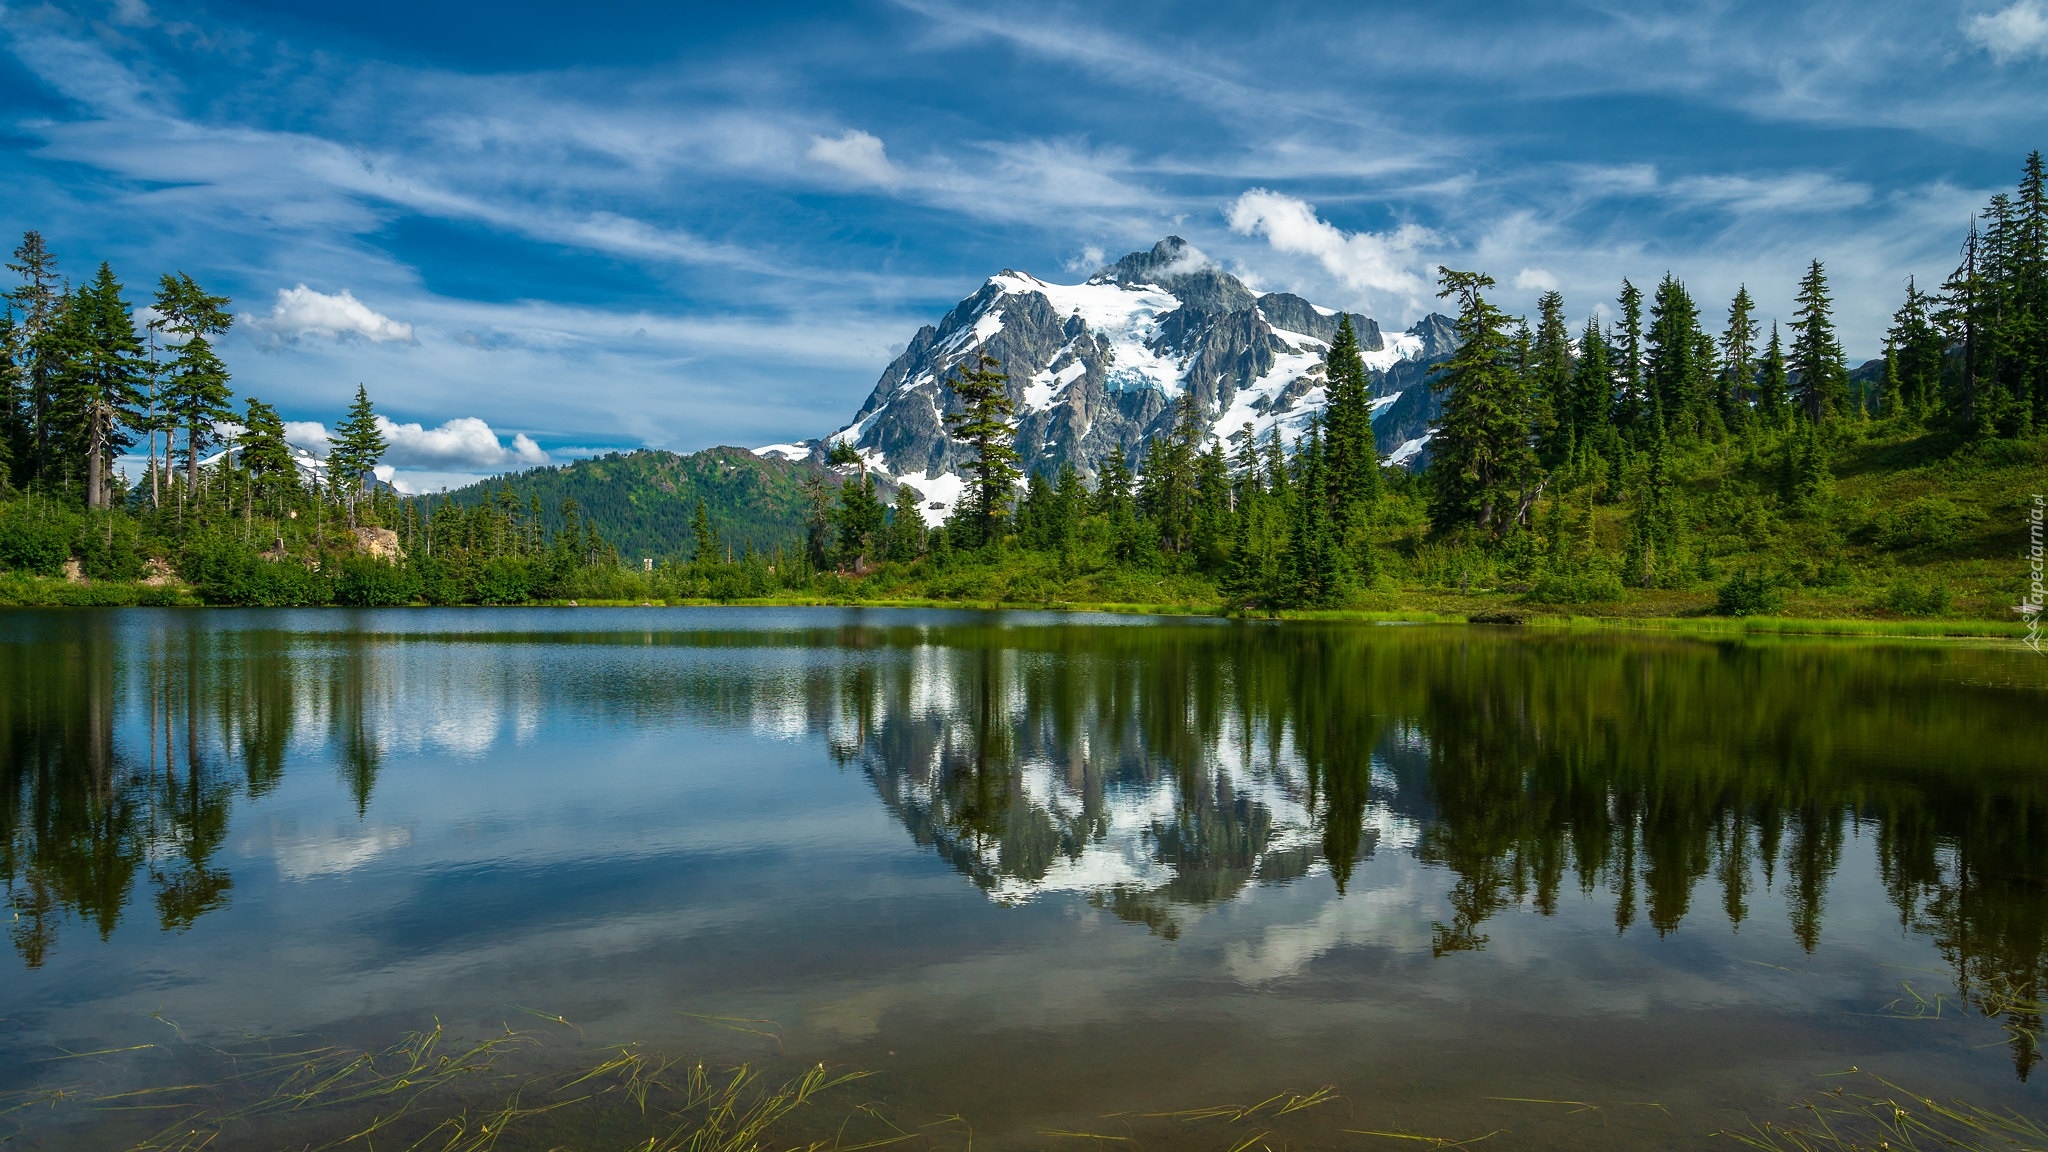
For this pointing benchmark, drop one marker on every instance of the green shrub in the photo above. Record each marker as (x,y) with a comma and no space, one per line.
(1929,521)
(1749,593)
(504,580)
(35,538)
(1910,599)
(367,582)
(228,571)
(1597,585)
(108,548)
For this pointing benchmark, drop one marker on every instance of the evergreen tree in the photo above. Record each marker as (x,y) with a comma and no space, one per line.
(1592,387)
(265,453)
(196,395)
(1773,385)
(1166,486)
(1311,571)
(1626,357)
(1551,378)
(983,421)
(1921,351)
(906,526)
(1351,448)
(1822,378)
(358,447)
(38,300)
(1481,460)
(1737,377)
(860,518)
(703,536)
(1679,378)
(99,383)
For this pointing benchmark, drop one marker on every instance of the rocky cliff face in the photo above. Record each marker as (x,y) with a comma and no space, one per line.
(1095,368)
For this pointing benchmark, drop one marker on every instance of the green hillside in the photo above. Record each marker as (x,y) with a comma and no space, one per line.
(642,501)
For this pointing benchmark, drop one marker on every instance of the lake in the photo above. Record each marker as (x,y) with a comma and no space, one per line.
(1052,880)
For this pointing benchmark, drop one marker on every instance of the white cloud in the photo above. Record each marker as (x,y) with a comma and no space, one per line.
(1089,259)
(1371,262)
(303,312)
(464,442)
(2011,33)
(1535,280)
(856,153)
(133,13)
(308,434)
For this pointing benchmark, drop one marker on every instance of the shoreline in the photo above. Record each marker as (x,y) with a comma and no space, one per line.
(1498,612)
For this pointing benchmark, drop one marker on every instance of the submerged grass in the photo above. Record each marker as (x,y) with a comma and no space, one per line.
(425,1095)
(1875,1114)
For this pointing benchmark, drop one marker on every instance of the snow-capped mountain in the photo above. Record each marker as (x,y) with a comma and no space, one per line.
(1095,368)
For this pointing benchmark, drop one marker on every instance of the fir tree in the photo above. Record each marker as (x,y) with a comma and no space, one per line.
(196,395)
(703,536)
(1551,378)
(1737,377)
(265,454)
(1773,386)
(983,421)
(1592,387)
(1822,379)
(358,447)
(860,520)
(1481,460)
(1921,351)
(99,383)
(37,299)
(1678,376)
(906,526)
(1626,356)
(1312,548)
(15,428)
(1351,448)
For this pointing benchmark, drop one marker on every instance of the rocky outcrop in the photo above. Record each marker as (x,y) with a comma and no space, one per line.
(1095,368)
(381,543)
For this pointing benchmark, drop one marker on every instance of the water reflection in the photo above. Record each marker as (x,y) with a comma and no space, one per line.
(1152,771)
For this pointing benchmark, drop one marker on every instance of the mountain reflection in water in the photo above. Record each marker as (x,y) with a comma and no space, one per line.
(1154,770)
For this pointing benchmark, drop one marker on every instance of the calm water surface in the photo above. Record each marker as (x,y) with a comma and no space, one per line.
(1039,873)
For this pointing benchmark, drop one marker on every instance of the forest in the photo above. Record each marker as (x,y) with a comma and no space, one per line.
(1666,463)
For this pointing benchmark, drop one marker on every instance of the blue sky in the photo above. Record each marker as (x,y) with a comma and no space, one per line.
(616,225)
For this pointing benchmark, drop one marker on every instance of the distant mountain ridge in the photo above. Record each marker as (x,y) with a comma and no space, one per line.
(1095,368)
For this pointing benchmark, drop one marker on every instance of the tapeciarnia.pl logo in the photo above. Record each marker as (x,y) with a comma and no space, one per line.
(2037,594)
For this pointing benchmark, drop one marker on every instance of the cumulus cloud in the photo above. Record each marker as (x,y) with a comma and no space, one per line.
(2011,33)
(464,444)
(302,312)
(858,154)
(1371,262)
(1535,280)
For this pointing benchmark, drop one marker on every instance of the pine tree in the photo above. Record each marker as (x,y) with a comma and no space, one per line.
(358,447)
(703,536)
(195,395)
(860,520)
(38,299)
(1481,459)
(1551,378)
(1592,387)
(983,421)
(1921,351)
(1312,573)
(1350,445)
(1773,386)
(1679,377)
(1167,484)
(265,453)
(1737,377)
(1626,356)
(1822,378)
(99,383)
(906,526)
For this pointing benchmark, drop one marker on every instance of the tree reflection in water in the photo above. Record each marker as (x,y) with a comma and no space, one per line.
(1151,770)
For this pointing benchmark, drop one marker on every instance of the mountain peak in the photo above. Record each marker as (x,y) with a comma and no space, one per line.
(1182,269)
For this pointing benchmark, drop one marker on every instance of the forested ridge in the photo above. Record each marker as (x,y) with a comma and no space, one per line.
(1684,458)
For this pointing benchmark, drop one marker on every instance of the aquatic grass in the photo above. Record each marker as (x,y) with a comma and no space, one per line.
(425,1095)
(1880,1115)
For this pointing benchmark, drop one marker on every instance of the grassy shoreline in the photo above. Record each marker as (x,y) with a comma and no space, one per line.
(1481,608)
